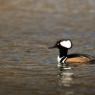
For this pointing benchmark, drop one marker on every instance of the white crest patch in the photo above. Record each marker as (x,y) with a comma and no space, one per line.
(66,44)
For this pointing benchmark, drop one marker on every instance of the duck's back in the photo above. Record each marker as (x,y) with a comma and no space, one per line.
(80,59)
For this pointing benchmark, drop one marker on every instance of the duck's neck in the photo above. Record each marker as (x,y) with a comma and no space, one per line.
(63,52)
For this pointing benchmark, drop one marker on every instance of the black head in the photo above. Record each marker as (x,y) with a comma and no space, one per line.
(63,44)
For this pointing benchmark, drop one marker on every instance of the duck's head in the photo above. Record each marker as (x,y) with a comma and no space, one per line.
(64,43)
(63,46)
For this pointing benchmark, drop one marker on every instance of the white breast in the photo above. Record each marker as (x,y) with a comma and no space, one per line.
(59,59)
(60,64)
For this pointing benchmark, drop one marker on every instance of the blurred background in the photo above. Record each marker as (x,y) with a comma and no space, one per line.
(28,28)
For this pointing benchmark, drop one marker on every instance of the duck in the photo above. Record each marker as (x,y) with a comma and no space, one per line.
(74,59)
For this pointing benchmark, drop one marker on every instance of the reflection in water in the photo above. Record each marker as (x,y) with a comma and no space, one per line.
(66,77)
(66,81)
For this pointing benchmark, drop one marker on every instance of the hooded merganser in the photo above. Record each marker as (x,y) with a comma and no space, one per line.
(72,59)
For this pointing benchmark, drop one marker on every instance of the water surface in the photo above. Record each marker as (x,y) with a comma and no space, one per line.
(27,29)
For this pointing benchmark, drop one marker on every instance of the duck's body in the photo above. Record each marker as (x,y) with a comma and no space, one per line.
(72,59)
(75,60)
(79,59)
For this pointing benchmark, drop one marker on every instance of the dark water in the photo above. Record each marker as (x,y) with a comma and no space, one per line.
(27,28)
